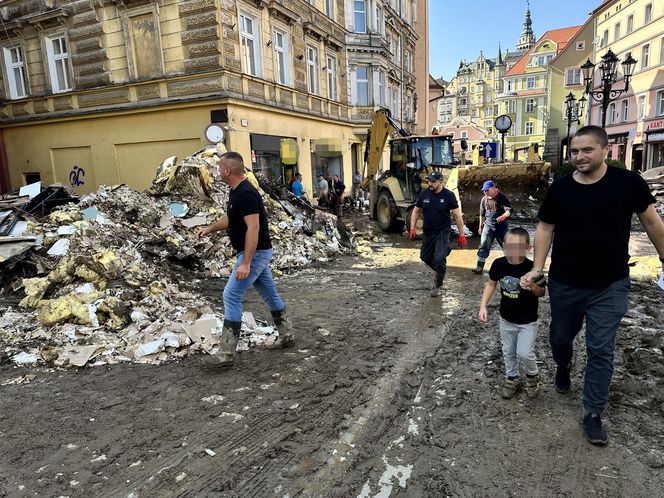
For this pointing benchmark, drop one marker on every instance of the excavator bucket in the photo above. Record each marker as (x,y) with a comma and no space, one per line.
(524,184)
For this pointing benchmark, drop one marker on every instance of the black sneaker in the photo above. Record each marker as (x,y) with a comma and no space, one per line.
(592,428)
(563,382)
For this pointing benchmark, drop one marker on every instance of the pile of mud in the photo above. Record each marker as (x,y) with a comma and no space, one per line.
(106,280)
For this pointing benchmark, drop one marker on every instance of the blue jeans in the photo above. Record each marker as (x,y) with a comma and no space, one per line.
(603,310)
(491,231)
(260,276)
(434,251)
(519,344)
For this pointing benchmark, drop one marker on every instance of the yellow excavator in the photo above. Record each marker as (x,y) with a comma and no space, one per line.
(393,192)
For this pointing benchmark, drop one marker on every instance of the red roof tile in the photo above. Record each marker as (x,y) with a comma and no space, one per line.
(559,36)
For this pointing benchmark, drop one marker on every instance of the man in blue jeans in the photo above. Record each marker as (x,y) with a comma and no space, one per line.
(587,217)
(246,224)
(495,208)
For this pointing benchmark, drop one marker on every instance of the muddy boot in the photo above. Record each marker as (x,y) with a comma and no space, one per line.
(533,386)
(284,328)
(437,291)
(230,335)
(479,268)
(511,387)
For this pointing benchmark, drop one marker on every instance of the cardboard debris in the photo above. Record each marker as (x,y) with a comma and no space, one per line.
(107,286)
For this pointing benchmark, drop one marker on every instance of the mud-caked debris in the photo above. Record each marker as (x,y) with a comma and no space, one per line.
(106,283)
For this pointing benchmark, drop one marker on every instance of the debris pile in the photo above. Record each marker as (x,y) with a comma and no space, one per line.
(655,179)
(105,280)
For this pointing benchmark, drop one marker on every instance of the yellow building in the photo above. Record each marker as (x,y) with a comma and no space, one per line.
(525,92)
(634,120)
(101,92)
(565,77)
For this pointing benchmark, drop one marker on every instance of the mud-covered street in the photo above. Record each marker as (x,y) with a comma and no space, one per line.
(387,392)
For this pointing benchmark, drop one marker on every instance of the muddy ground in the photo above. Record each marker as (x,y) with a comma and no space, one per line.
(388,392)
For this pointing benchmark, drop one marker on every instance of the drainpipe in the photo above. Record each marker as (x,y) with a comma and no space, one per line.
(5,184)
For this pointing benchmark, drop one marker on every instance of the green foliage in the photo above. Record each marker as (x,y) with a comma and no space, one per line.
(568,167)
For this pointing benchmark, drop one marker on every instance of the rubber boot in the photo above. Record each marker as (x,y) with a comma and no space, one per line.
(479,268)
(285,329)
(230,335)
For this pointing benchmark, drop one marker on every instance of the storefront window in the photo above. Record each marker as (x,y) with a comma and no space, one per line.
(266,158)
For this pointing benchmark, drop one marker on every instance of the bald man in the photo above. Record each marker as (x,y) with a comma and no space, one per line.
(245,222)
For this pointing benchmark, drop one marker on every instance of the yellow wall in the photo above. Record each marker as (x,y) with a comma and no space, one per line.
(127,148)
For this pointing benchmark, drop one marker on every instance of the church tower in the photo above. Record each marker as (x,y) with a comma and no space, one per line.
(527,38)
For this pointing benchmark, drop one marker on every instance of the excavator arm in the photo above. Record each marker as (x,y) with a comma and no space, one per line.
(382,127)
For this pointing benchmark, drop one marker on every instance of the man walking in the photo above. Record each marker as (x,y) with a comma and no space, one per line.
(437,205)
(495,208)
(587,216)
(246,224)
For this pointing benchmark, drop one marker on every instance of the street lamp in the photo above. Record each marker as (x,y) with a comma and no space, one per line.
(608,70)
(573,112)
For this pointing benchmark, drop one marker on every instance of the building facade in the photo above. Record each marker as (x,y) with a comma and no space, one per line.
(565,77)
(101,92)
(525,94)
(635,121)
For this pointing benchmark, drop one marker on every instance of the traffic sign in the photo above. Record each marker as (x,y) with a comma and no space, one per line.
(488,150)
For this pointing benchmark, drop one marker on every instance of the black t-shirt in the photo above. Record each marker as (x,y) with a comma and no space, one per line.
(517,305)
(436,209)
(592,226)
(242,201)
(493,208)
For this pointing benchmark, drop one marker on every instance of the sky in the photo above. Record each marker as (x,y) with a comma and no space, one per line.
(459,29)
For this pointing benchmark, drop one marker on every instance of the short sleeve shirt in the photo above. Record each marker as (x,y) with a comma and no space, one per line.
(436,209)
(592,226)
(245,200)
(517,305)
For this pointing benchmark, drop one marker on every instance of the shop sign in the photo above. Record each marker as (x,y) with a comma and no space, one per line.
(656,125)
(656,137)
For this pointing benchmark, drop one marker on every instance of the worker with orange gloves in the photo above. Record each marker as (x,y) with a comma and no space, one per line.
(437,205)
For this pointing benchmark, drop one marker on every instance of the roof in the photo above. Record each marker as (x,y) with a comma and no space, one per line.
(558,36)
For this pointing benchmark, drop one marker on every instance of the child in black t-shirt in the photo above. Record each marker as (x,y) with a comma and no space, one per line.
(518,312)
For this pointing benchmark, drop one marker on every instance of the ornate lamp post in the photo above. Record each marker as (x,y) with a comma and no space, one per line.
(573,112)
(608,69)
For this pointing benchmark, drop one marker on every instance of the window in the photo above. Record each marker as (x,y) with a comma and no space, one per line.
(513,107)
(530,82)
(660,103)
(250,45)
(360,12)
(642,106)
(624,110)
(395,104)
(580,45)
(362,85)
(530,105)
(409,108)
(381,88)
(331,69)
(573,76)
(380,21)
(58,64)
(661,51)
(645,56)
(605,38)
(329,8)
(648,14)
(281,58)
(464,134)
(630,24)
(529,128)
(16,77)
(489,111)
(312,69)
(611,113)
(509,85)
(616,32)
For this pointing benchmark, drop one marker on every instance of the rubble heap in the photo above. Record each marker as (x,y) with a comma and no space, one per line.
(655,179)
(111,271)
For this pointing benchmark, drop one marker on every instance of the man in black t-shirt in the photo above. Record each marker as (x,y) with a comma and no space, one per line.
(495,208)
(437,205)
(587,217)
(246,224)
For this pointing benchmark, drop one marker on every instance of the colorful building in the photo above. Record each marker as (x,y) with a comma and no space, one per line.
(525,94)
(635,121)
(565,77)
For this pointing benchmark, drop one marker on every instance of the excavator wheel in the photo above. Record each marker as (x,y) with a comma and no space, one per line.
(387,213)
